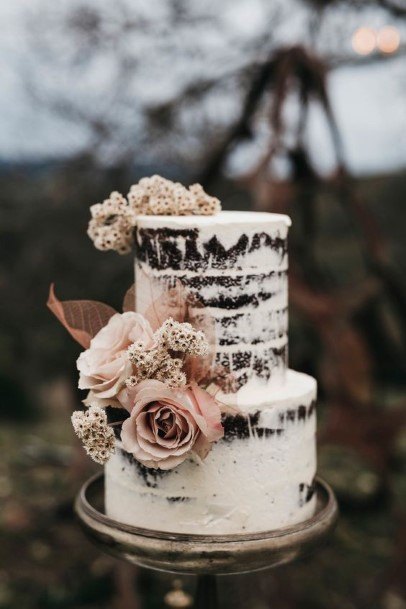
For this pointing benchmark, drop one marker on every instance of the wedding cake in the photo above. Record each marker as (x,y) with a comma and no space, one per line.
(201,425)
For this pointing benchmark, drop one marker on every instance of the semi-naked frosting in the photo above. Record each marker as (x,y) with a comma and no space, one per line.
(260,476)
(236,263)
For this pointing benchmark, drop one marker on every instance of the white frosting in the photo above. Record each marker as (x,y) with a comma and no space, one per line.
(297,387)
(228,219)
(256,483)
(260,476)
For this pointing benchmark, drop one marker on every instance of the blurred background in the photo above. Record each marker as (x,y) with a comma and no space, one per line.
(291,106)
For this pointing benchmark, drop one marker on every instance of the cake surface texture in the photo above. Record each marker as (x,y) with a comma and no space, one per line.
(260,475)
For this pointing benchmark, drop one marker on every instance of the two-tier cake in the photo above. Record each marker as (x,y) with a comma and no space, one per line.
(231,454)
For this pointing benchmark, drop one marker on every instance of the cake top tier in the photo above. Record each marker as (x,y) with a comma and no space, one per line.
(224,218)
(235,264)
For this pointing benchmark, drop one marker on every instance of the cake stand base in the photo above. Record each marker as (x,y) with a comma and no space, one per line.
(203,555)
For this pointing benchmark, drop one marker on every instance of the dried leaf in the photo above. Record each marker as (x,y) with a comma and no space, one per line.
(158,300)
(83,319)
(199,368)
(129,299)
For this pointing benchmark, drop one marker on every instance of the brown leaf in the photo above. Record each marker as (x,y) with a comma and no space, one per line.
(200,368)
(158,300)
(83,319)
(129,299)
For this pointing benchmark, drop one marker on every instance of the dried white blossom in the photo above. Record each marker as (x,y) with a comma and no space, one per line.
(161,362)
(159,196)
(204,203)
(170,372)
(146,361)
(171,364)
(173,378)
(112,224)
(132,381)
(182,337)
(92,428)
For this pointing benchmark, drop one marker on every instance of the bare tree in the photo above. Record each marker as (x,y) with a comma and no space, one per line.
(140,82)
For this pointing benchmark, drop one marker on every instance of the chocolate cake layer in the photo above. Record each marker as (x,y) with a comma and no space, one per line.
(182,249)
(235,265)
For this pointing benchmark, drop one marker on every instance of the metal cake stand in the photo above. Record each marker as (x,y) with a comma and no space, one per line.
(203,555)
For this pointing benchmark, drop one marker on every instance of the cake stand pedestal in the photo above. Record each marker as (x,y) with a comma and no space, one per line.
(203,555)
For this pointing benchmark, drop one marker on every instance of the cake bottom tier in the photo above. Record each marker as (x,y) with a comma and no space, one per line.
(259,477)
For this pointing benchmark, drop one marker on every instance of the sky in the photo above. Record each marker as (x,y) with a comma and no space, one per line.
(40,60)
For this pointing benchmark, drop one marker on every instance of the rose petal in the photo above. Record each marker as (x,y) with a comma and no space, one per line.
(210,419)
(93,399)
(144,427)
(166,464)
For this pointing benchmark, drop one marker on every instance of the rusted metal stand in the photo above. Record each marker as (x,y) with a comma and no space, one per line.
(206,556)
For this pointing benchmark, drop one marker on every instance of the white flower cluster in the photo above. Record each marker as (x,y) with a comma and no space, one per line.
(161,362)
(204,205)
(113,221)
(112,224)
(182,337)
(92,428)
(158,196)
(146,361)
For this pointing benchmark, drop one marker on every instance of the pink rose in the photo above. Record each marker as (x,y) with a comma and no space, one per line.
(105,365)
(166,424)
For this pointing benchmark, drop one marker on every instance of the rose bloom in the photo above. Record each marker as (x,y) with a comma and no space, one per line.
(166,425)
(104,366)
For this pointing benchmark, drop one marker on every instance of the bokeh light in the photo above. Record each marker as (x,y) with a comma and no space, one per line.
(388,39)
(364,40)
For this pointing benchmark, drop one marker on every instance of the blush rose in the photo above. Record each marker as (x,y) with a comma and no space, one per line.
(166,425)
(104,366)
